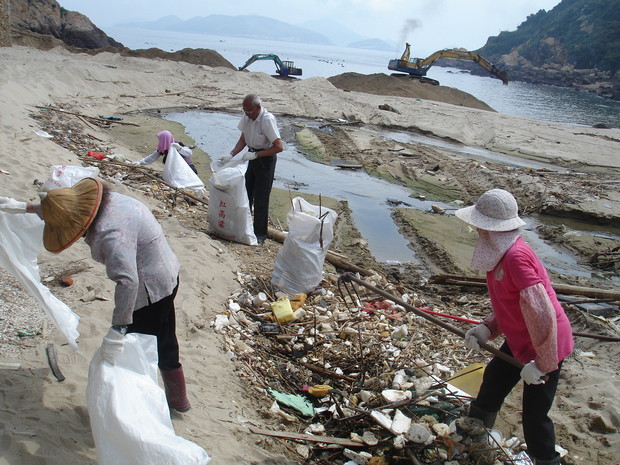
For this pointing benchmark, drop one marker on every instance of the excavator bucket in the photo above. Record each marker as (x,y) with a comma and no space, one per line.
(503,75)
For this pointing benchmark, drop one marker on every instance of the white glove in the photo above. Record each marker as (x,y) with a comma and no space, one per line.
(225,159)
(176,145)
(531,374)
(133,163)
(10,205)
(247,156)
(113,344)
(479,333)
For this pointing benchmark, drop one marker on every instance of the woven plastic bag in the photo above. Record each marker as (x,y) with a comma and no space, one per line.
(178,173)
(21,240)
(129,416)
(67,175)
(229,215)
(298,268)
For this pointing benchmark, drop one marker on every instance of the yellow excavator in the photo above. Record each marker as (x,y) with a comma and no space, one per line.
(417,67)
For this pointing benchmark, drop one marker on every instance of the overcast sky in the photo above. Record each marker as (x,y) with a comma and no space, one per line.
(428,25)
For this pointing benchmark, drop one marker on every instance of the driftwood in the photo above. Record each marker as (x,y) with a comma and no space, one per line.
(600,337)
(336,259)
(307,437)
(348,277)
(559,288)
(95,118)
(147,172)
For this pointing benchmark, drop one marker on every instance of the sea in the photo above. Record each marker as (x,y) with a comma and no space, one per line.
(536,101)
(370,198)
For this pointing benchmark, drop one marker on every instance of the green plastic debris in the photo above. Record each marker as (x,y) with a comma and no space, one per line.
(296,401)
(27,333)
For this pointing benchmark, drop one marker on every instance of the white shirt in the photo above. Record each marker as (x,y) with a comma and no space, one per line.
(260,133)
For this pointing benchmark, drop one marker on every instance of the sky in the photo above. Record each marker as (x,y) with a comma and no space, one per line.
(429,25)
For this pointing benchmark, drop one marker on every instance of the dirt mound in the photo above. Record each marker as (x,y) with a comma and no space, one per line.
(403,86)
(196,56)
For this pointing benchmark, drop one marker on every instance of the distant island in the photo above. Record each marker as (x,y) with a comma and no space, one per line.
(260,27)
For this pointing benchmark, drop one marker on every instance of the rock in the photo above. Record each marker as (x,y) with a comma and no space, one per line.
(49,18)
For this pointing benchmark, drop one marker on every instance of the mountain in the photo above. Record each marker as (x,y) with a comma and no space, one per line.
(345,37)
(576,44)
(47,17)
(159,24)
(251,26)
(372,44)
(334,31)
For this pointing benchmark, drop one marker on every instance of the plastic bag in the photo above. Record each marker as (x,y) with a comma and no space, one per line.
(128,412)
(229,214)
(298,268)
(67,176)
(178,173)
(21,239)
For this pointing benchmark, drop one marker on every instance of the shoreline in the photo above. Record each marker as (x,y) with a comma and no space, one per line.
(224,403)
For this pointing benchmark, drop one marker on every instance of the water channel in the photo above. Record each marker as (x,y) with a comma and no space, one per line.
(216,134)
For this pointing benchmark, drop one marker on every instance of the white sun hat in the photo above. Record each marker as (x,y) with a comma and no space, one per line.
(495,210)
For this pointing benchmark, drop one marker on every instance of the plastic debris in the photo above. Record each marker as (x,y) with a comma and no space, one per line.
(295,401)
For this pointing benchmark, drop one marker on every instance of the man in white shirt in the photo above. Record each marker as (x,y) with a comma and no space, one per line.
(259,132)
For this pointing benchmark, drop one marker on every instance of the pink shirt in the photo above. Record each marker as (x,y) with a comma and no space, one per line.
(526,309)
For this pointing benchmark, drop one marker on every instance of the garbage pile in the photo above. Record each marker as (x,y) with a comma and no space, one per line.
(357,379)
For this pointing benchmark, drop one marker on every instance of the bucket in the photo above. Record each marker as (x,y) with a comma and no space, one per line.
(282,310)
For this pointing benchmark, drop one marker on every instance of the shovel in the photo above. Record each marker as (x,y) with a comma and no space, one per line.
(468,379)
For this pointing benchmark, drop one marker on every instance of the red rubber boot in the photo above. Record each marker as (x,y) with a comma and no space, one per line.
(174,385)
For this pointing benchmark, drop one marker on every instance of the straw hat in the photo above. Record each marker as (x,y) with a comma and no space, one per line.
(68,213)
(495,210)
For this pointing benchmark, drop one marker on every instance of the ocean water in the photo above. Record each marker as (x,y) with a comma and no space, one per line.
(371,212)
(547,103)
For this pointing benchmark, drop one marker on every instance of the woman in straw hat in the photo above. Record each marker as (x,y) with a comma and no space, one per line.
(123,234)
(165,140)
(526,310)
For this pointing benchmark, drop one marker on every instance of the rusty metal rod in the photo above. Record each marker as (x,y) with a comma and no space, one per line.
(453,329)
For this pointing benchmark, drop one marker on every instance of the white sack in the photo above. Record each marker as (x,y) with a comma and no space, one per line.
(298,268)
(67,176)
(229,214)
(128,412)
(21,239)
(178,173)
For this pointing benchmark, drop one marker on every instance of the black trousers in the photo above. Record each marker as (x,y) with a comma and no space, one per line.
(258,182)
(499,379)
(159,320)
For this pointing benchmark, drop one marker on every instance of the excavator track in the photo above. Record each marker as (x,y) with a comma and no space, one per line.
(422,79)
(425,80)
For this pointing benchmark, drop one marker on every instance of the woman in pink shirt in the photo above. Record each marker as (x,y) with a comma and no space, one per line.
(527,312)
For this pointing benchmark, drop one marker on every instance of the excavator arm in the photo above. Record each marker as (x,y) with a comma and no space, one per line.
(285,68)
(426,63)
(418,67)
(262,56)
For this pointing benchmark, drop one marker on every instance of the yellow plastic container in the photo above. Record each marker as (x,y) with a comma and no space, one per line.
(282,310)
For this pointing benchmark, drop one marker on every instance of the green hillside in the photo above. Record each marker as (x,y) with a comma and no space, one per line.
(584,34)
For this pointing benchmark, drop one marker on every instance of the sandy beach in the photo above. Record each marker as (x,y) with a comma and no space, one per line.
(43,421)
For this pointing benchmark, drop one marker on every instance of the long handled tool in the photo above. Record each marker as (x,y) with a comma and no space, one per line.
(349,277)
